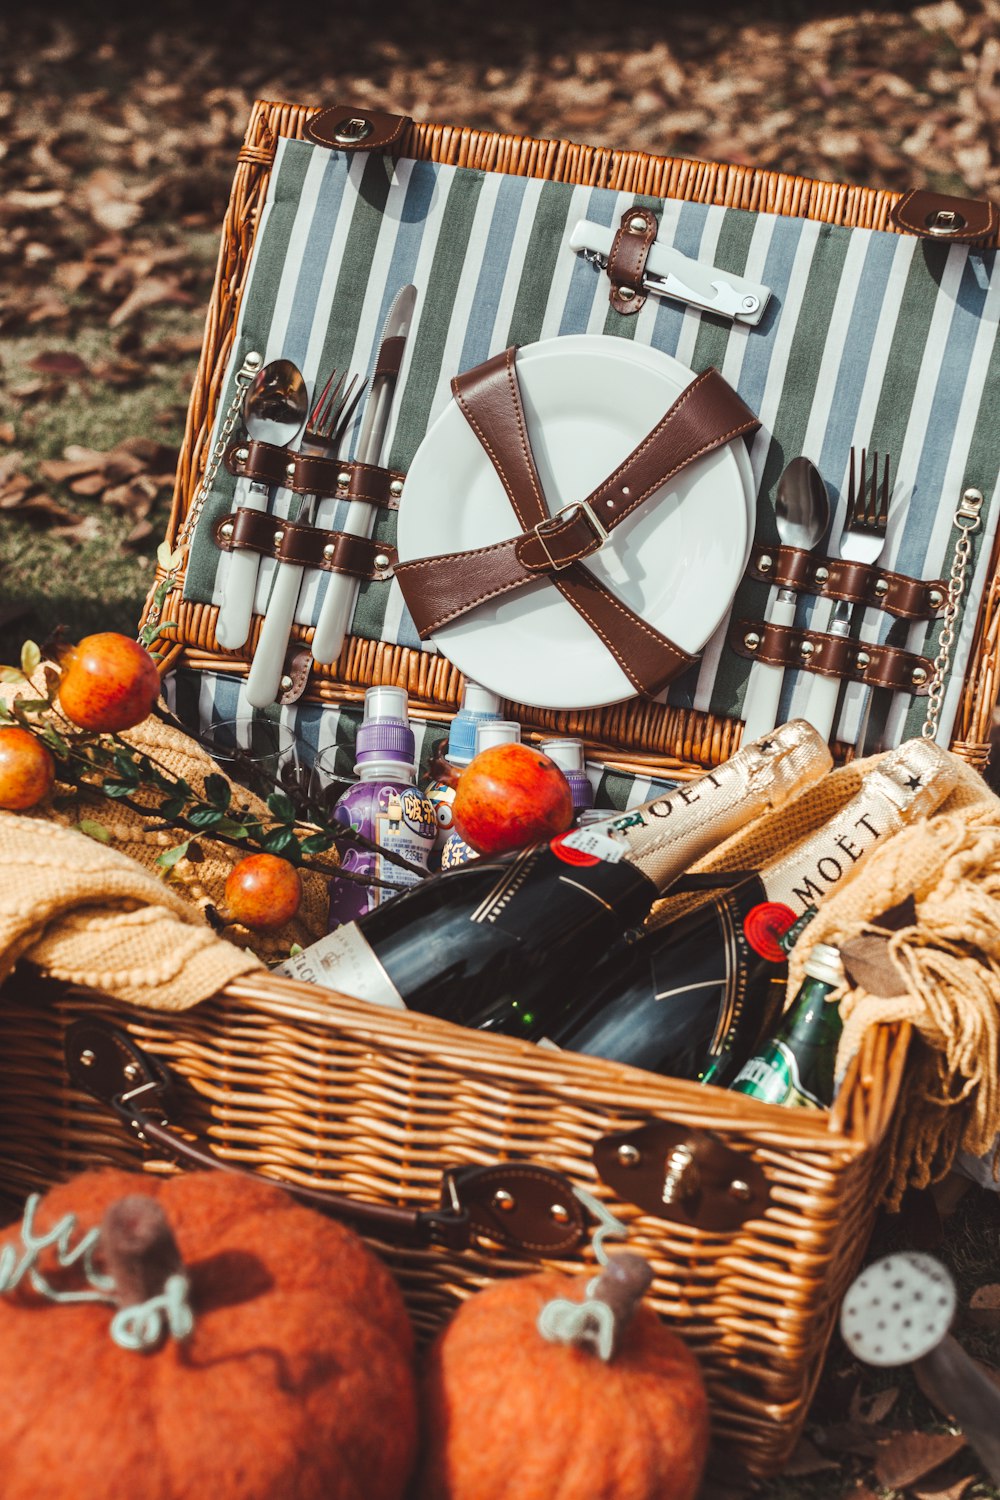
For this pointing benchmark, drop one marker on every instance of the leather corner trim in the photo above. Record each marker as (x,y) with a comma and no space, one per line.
(627,261)
(297,669)
(934,216)
(345,128)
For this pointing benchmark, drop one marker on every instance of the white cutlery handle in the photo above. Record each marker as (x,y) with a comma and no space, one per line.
(240,583)
(825,691)
(761,707)
(264,679)
(341,592)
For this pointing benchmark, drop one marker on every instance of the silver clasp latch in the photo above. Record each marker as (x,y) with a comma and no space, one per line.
(546,527)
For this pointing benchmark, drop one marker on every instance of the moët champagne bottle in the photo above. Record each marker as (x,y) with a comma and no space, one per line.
(500,943)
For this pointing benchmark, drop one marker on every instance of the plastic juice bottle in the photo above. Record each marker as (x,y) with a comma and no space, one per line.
(569,757)
(498,732)
(384,805)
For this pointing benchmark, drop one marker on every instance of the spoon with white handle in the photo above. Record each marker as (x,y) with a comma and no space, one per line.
(802,513)
(274,409)
(898,1312)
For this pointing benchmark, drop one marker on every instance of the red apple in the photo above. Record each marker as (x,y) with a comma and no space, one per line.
(262,891)
(109,682)
(509,796)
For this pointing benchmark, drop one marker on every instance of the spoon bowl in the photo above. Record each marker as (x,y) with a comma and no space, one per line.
(802,505)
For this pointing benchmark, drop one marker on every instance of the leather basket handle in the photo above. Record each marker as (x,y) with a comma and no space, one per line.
(517,1203)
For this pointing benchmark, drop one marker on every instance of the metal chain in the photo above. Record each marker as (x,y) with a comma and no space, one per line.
(244,377)
(968,521)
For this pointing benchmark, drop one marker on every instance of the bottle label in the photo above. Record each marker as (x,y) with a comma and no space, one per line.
(404,824)
(344,961)
(589,842)
(773,1076)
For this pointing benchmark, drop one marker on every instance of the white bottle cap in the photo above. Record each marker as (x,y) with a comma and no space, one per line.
(498,732)
(385,702)
(479,700)
(567,754)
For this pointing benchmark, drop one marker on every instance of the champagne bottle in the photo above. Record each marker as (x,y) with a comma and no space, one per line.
(500,942)
(691,999)
(796,1066)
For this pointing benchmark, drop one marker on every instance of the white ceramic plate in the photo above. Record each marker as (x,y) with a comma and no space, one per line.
(677,560)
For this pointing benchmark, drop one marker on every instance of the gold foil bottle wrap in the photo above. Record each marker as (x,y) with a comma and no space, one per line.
(664,837)
(909,783)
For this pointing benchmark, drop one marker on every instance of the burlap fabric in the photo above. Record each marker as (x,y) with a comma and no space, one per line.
(104,916)
(947,963)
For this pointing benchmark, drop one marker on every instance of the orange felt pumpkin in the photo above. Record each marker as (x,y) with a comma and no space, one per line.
(510,1416)
(296,1382)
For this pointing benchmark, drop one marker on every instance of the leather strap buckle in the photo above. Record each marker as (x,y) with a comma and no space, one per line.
(544,528)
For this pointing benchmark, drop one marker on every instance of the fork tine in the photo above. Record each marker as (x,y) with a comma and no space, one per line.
(871,495)
(348,408)
(314,415)
(331,410)
(858,518)
(883,509)
(851,497)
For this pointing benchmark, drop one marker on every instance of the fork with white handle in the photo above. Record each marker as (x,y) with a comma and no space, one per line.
(862,541)
(330,417)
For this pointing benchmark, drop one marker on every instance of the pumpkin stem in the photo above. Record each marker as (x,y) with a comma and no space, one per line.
(598,1323)
(138,1249)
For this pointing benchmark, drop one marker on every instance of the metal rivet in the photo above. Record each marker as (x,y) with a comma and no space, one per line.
(560,1213)
(504,1201)
(935,598)
(344,477)
(395,487)
(807,649)
(285,684)
(862,660)
(919,676)
(638,225)
(750,303)
(881,588)
(227,529)
(751,640)
(329,550)
(131,1071)
(241,455)
(253,360)
(278,538)
(765,562)
(381,560)
(290,470)
(626,293)
(87,1058)
(822,574)
(739,1189)
(629,1156)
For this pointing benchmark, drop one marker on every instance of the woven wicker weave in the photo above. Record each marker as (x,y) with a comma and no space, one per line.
(333,1093)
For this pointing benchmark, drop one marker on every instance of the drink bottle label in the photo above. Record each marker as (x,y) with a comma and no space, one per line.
(344,961)
(774,1077)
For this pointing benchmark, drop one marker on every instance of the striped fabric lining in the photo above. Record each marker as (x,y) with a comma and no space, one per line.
(324,734)
(870,340)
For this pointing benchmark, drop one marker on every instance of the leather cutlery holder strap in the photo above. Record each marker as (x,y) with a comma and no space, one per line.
(308,546)
(307,474)
(832,656)
(854,582)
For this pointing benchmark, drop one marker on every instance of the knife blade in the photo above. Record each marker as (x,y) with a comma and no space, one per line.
(341,591)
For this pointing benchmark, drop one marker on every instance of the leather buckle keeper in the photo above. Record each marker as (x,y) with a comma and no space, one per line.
(542,529)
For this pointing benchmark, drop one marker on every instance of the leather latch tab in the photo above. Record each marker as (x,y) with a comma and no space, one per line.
(518,1204)
(345,128)
(627,261)
(686,1175)
(934,216)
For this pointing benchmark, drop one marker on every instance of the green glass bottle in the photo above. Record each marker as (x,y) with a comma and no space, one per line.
(795,1067)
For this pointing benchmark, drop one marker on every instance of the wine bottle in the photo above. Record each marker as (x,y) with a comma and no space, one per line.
(796,1065)
(692,998)
(500,942)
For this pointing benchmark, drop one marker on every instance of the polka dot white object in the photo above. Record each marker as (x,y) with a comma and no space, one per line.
(898,1309)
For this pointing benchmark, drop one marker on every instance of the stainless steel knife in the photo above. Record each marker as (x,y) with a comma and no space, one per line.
(341,592)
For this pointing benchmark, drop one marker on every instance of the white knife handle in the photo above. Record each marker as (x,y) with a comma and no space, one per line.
(264,679)
(824,694)
(764,695)
(240,582)
(341,591)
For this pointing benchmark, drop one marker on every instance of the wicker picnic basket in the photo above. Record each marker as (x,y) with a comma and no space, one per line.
(384,1107)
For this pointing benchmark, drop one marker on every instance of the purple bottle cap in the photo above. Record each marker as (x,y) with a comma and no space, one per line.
(385,732)
(569,757)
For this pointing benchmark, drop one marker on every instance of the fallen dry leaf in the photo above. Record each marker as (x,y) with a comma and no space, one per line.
(944,1484)
(807,1459)
(58,362)
(151,293)
(45,511)
(908,1456)
(875,1407)
(7,433)
(984,1306)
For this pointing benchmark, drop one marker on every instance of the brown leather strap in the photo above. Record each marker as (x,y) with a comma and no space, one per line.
(854,582)
(309,474)
(390,356)
(933,216)
(346,128)
(308,546)
(439,589)
(627,261)
(832,656)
